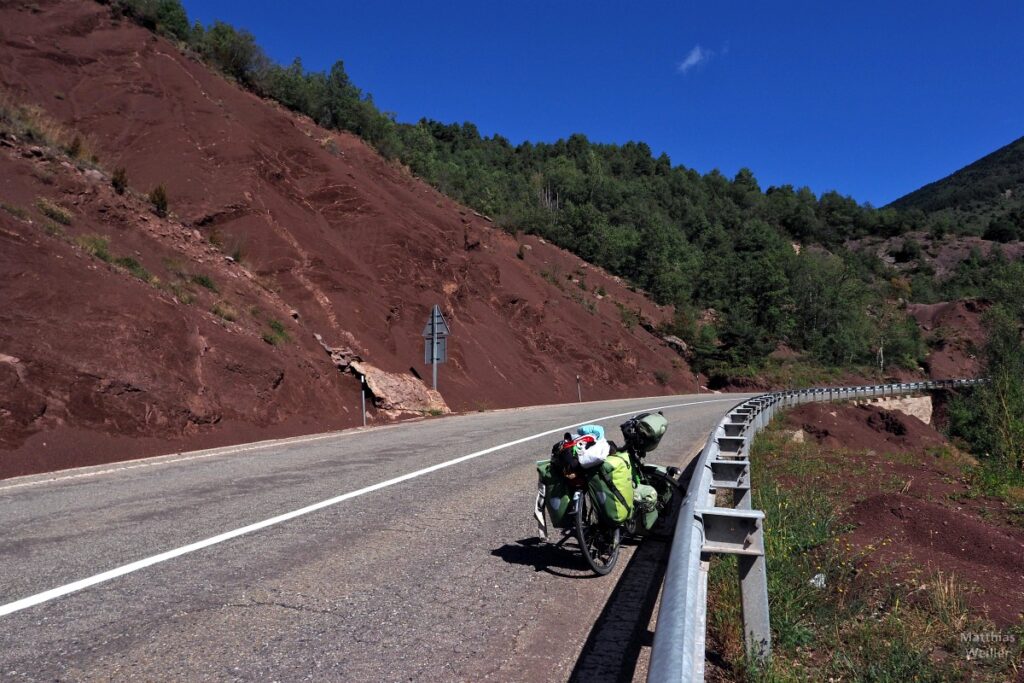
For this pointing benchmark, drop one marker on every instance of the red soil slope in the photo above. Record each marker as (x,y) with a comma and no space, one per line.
(102,366)
(955,333)
(910,507)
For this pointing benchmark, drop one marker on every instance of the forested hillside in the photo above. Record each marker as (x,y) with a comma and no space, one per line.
(983,198)
(750,270)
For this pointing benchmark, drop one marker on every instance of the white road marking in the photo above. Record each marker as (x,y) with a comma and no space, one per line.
(169,459)
(166,460)
(81,584)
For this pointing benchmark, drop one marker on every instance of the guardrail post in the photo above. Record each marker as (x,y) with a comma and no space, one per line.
(757,630)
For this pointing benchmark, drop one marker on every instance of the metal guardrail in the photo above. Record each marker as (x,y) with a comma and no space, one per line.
(705,529)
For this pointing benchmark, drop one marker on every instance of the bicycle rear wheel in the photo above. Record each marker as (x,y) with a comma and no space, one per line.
(599,544)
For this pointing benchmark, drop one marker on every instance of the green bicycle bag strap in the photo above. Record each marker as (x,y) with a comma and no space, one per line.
(608,482)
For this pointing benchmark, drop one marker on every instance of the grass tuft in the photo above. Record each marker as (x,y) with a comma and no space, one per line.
(158,198)
(94,245)
(224,310)
(16,211)
(204,281)
(119,180)
(54,211)
(181,292)
(277,334)
(54,230)
(134,267)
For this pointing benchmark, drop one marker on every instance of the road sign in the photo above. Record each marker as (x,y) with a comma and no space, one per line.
(435,334)
(436,323)
(440,351)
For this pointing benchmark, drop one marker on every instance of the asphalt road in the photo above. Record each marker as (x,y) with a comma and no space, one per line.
(435,577)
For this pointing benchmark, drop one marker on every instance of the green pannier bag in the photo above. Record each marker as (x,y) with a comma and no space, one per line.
(612,487)
(644,431)
(652,427)
(544,472)
(645,498)
(556,494)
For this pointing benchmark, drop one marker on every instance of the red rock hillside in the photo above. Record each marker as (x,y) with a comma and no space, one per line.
(955,336)
(125,334)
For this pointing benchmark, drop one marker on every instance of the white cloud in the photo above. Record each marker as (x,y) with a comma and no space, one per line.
(698,55)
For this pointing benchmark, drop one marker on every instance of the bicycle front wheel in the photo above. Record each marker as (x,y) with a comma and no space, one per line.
(599,544)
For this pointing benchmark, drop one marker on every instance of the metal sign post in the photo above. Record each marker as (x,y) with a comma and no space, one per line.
(436,334)
(362,396)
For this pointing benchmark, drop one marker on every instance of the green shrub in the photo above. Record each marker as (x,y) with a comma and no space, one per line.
(54,230)
(119,180)
(15,211)
(94,245)
(54,211)
(158,198)
(224,310)
(167,17)
(134,267)
(75,148)
(630,318)
(204,281)
(277,334)
(181,292)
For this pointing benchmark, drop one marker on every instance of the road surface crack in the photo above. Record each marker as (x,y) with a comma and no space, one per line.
(284,605)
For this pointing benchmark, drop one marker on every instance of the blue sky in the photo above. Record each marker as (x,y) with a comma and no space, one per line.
(873,99)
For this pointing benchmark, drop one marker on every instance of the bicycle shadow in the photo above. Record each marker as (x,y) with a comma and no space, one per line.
(621,631)
(545,556)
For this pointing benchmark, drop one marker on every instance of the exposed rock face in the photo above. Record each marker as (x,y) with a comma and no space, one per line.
(396,394)
(341,356)
(955,335)
(920,407)
(677,344)
(392,393)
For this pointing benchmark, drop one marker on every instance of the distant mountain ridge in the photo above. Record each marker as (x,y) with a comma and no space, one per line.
(988,189)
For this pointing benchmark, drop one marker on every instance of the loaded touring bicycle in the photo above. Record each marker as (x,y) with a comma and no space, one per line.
(599,499)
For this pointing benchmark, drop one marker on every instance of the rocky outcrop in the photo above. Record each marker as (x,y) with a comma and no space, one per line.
(393,394)
(396,394)
(914,406)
